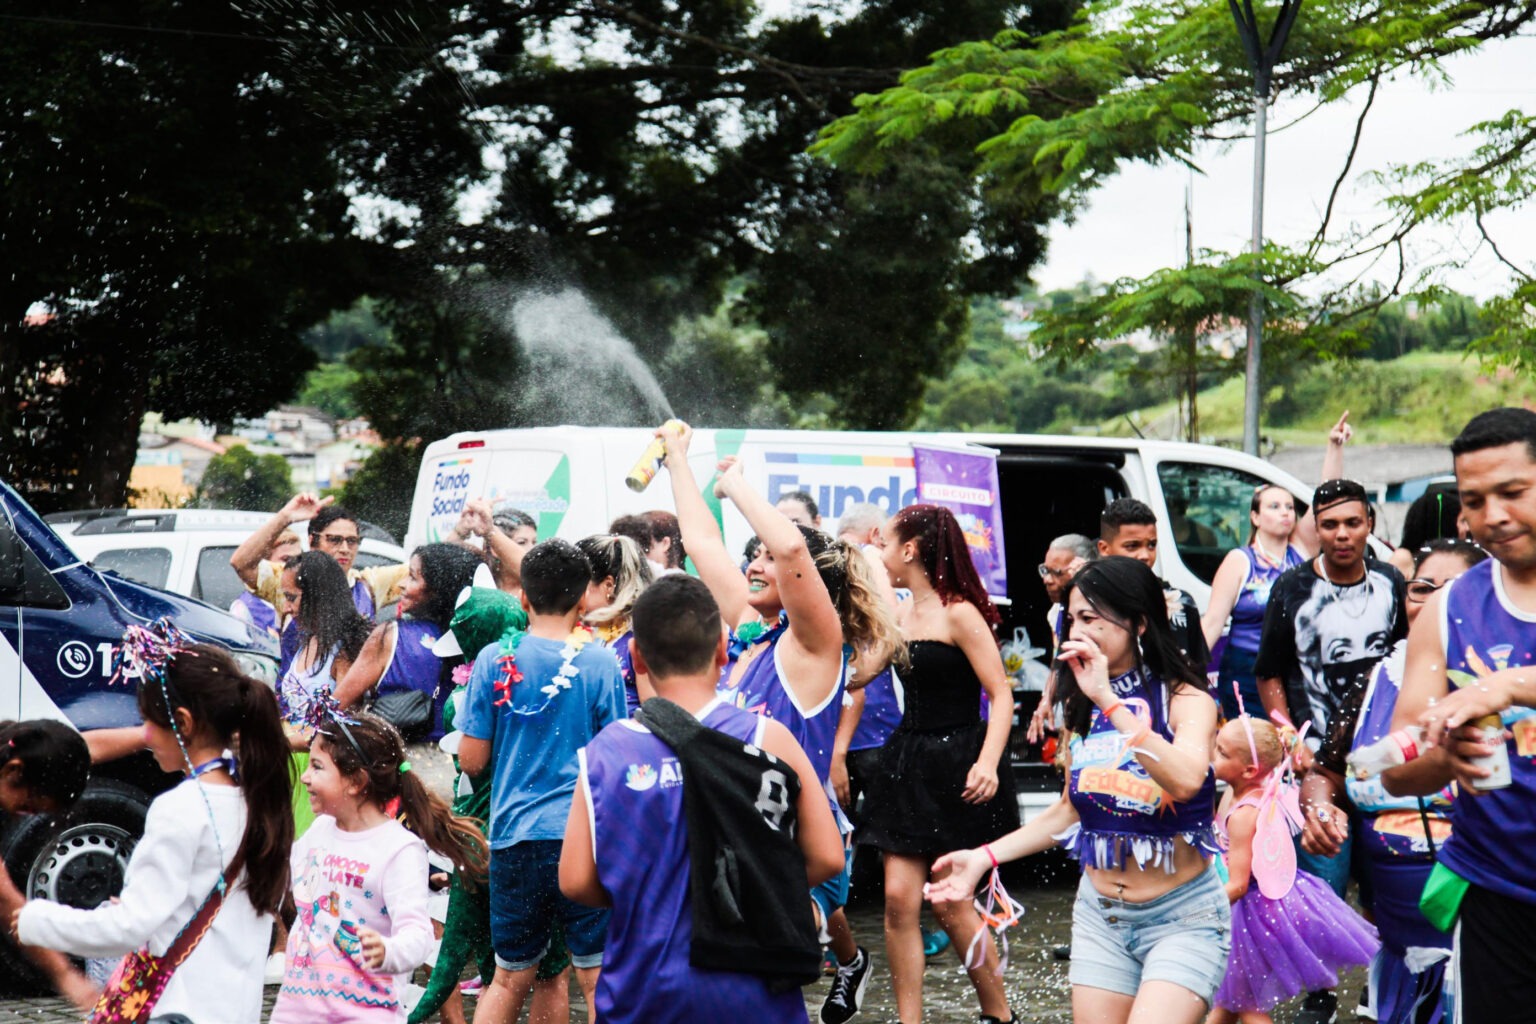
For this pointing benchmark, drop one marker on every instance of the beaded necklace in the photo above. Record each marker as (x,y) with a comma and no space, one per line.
(512,674)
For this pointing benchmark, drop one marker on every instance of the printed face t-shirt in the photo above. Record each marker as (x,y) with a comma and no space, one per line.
(1321,637)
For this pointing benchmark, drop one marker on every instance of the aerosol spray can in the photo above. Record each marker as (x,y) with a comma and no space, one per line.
(650,460)
(1492,729)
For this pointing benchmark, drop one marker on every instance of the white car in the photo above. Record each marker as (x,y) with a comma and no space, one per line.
(186,550)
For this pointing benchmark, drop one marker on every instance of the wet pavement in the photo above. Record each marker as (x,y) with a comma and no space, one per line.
(1036,983)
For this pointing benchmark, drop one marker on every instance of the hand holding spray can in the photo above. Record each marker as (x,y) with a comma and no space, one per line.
(644,470)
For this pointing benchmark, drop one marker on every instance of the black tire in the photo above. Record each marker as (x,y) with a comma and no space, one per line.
(78,858)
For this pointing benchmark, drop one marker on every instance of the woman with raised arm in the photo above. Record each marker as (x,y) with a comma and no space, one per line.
(1151,926)
(802,598)
(1279,539)
(943,776)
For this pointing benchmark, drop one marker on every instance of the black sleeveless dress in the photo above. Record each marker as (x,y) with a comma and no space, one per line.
(913,803)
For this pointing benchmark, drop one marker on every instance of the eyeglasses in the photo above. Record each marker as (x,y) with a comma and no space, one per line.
(337,540)
(1420,589)
(1046,572)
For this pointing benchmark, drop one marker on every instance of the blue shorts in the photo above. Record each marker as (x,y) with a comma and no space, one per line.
(832,895)
(1182,937)
(526,901)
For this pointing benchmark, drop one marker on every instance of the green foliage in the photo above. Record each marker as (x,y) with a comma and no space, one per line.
(1046,118)
(241,479)
(383,486)
(331,388)
(347,330)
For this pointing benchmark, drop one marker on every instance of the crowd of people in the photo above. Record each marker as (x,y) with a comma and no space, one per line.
(645,760)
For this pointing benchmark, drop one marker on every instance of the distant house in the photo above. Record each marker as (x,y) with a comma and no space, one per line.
(167,470)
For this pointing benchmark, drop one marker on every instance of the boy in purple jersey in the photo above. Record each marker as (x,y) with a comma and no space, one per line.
(626,842)
(1472,655)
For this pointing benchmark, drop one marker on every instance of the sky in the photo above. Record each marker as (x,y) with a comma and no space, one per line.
(1134,223)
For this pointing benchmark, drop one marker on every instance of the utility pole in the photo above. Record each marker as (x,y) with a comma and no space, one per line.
(1263,55)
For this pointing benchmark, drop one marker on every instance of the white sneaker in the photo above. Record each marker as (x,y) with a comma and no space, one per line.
(277,966)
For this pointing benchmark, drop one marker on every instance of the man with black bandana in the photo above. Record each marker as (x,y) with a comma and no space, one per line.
(1331,618)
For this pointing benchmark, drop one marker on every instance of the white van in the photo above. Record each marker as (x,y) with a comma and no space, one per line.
(571,479)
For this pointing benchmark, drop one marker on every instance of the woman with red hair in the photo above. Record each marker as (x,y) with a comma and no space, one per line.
(943,775)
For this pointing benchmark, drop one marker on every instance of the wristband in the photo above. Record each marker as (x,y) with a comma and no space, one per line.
(1116,706)
(990,855)
(1137,740)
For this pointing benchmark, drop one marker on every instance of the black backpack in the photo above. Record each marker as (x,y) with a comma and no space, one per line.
(751,903)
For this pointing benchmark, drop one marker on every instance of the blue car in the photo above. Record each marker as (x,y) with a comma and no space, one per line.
(59,621)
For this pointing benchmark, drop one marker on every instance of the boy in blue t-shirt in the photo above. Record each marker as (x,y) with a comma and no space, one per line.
(528,711)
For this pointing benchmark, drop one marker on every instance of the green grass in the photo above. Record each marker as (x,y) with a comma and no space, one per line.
(1423,397)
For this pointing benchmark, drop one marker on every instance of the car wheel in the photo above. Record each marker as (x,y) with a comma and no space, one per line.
(79,858)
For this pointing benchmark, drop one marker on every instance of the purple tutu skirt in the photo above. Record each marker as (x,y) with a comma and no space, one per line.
(1281,948)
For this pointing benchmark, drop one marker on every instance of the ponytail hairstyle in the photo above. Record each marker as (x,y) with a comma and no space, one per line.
(54,760)
(369,750)
(622,559)
(446,569)
(326,611)
(945,558)
(1127,593)
(229,708)
(869,625)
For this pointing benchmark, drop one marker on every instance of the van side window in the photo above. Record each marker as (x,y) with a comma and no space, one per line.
(38,587)
(216,581)
(146,565)
(1207,511)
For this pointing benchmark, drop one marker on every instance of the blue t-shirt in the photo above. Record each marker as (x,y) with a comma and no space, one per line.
(535,735)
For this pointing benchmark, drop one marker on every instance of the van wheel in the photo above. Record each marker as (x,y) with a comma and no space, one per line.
(80,859)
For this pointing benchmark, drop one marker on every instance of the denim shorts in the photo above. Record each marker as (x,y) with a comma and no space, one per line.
(526,901)
(1182,937)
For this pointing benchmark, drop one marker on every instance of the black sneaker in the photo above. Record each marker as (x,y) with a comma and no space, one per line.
(984,1019)
(1318,1008)
(1061,953)
(847,990)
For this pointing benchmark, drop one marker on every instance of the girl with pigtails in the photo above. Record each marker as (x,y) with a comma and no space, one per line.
(211,870)
(360,875)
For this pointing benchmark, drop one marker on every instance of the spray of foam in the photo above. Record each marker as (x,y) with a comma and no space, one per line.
(580,370)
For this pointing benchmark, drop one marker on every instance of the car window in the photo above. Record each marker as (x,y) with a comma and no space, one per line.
(1207,511)
(146,565)
(216,581)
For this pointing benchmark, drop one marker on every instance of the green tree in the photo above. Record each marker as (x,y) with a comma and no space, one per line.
(383,486)
(241,479)
(177,209)
(1143,81)
(331,388)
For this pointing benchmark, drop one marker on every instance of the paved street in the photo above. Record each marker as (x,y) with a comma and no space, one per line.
(1037,985)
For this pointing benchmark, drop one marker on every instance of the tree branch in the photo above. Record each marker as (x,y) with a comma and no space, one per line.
(1349,162)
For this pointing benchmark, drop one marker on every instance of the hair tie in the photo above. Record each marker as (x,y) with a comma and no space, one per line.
(405,766)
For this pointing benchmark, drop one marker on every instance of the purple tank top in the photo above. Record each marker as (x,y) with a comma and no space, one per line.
(1493,843)
(1391,825)
(1120,810)
(620,648)
(413,666)
(1253,598)
(263,615)
(882,712)
(639,837)
(762,691)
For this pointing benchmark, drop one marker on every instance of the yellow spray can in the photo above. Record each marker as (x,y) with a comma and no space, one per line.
(644,470)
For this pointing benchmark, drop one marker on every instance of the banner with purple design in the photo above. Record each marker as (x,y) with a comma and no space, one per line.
(965,482)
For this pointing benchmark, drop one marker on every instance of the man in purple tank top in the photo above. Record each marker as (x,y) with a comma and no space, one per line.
(1472,664)
(626,843)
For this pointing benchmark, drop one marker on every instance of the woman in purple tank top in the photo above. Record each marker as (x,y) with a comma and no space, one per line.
(1151,925)
(1279,539)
